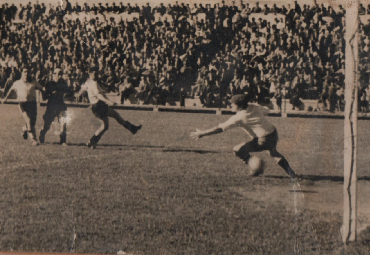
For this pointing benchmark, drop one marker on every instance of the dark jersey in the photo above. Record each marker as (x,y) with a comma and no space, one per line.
(55,91)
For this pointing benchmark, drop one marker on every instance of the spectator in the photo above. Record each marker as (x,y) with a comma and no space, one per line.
(340,98)
(146,89)
(294,93)
(332,97)
(9,83)
(302,43)
(206,94)
(197,88)
(278,96)
(362,101)
(126,89)
(182,97)
(67,7)
(165,89)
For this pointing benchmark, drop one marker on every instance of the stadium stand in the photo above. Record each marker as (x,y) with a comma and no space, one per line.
(200,55)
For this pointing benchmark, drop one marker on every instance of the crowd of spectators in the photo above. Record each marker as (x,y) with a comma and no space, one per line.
(169,52)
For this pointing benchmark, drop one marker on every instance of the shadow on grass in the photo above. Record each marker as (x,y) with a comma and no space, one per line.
(314,178)
(364,237)
(303,191)
(331,178)
(118,145)
(190,150)
(164,149)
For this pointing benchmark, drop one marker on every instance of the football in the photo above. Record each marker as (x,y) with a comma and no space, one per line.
(256,166)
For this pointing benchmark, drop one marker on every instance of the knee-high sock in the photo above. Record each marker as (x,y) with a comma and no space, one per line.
(285,165)
(94,139)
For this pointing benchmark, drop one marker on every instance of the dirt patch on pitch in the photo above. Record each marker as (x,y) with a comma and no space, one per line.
(324,197)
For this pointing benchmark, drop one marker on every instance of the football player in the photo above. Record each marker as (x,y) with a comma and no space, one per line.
(55,108)
(251,118)
(101,107)
(26,96)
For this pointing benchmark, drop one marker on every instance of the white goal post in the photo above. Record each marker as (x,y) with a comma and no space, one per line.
(349,227)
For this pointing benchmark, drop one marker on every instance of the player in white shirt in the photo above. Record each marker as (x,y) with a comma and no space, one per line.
(100,106)
(26,96)
(251,118)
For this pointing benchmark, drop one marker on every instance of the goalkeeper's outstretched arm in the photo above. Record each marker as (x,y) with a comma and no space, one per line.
(199,133)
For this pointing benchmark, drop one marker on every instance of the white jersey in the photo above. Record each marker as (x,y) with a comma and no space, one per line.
(26,91)
(93,90)
(252,120)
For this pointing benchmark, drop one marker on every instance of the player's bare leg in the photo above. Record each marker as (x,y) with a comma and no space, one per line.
(26,126)
(99,133)
(129,126)
(25,132)
(281,161)
(31,122)
(29,128)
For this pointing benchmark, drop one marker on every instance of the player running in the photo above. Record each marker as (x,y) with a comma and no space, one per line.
(55,108)
(100,106)
(26,96)
(251,118)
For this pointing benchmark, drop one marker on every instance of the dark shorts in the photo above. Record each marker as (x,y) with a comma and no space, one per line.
(30,108)
(100,109)
(258,144)
(56,110)
(267,142)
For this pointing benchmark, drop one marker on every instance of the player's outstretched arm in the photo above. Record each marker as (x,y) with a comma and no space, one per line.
(79,92)
(38,86)
(7,95)
(199,133)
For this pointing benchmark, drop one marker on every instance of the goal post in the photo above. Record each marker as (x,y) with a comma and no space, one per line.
(350,123)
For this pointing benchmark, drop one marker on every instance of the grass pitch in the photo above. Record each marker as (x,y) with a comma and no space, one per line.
(159,192)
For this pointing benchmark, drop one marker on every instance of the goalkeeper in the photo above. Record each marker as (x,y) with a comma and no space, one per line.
(251,118)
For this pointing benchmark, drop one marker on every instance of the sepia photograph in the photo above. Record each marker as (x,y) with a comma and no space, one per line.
(190,127)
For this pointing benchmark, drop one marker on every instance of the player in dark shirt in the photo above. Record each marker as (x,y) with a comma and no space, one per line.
(55,107)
